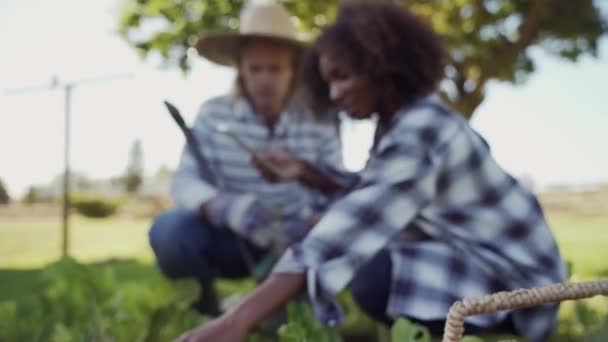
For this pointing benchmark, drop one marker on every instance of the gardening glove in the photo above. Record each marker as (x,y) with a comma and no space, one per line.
(245,215)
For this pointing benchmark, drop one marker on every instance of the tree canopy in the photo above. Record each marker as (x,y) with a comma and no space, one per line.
(487,39)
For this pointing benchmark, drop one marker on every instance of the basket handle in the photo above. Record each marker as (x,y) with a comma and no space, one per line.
(517,299)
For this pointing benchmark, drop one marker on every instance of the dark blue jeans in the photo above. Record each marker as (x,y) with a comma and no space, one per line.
(187,246)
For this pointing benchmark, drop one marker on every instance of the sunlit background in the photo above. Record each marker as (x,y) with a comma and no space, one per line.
(551,130)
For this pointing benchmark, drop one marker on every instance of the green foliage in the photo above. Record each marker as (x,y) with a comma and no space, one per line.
(31,196)
(78,303)
(487,39)
(94,206)
(406,331)
(585,319)
(4,197)
(601,334)
(356,323)
(118,301)
(127,290)
(302,326)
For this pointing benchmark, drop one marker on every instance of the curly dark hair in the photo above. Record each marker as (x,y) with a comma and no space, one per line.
(394,48)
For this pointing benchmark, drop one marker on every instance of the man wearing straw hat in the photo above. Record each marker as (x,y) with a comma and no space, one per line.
(227,220)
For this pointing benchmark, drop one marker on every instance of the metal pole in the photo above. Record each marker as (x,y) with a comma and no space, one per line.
(67,88)
(65,246)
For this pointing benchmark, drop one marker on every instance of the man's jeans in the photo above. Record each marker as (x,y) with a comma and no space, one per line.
(187,246)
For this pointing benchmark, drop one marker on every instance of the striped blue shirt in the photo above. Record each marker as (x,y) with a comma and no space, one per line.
(315,142)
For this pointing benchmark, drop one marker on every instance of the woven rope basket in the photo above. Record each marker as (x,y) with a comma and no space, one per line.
(517,299)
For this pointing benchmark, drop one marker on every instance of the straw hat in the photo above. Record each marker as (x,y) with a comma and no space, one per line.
(267,21)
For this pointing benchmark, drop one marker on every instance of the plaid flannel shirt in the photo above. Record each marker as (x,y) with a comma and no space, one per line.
(456,225)
(229,164)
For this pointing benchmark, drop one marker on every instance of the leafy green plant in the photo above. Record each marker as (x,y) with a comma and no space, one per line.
(78,303)
(600,334)
(302,326)
(406,331)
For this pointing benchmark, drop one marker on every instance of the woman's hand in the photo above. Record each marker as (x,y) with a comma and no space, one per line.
(234,326)
(286,164)
(222,329)
(290,168)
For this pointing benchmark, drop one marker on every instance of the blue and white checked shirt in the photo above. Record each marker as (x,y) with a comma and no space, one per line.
(456,225)
(315,142)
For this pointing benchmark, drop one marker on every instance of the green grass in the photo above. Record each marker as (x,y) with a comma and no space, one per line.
(27,243)
(33,242)
(583,241)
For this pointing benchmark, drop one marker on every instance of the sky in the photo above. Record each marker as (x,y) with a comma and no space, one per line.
(553,129)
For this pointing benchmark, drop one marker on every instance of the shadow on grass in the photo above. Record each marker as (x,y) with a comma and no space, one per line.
(16,283)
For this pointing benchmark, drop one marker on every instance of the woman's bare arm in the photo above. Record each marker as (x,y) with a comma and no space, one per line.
(234,325)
